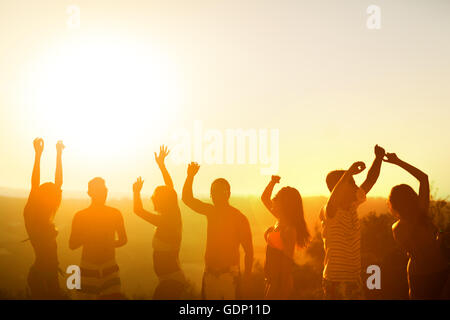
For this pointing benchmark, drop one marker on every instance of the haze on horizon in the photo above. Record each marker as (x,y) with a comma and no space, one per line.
(136,71)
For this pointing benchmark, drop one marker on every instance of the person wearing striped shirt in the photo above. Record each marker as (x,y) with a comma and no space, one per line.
(341,229)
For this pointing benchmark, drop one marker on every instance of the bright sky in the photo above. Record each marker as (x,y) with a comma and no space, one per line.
(135,73)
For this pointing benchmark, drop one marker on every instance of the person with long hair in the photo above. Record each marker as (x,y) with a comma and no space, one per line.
(428,269)
(289,232)
(39,214)
(167,238)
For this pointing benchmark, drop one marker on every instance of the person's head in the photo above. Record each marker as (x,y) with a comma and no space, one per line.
(350,189)
(403,202)
(164,199)
(97,190)
(288,206)
(220,192)
(47,200)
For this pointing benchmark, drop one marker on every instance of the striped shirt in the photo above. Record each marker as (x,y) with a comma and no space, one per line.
(342,242)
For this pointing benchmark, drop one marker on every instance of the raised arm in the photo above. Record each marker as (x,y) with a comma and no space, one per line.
(374,171)
(341,188)
(163,152)
(138,207)
(58,173)
(36,175)
(266,197)
(188,197)
(424,189)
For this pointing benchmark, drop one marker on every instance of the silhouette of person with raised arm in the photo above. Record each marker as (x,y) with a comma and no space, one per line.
(167,238)
(428,269)
(289,232)
(99,229)
(341,229)
(227,230)
(39,213)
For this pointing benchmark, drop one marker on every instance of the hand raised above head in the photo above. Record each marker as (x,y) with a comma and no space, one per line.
(193,168)
(38,144)
(60,146)
(163,153)
(276,179)
(357,167)
(391,158)
(379,152)
(137,186)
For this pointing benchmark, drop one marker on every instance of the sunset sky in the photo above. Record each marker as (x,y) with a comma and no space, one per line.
(135,73)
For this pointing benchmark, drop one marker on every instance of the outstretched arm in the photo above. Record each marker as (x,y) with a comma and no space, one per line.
(341,187)
(138,207)
(374,171)
(188,197)
(163,152)
(424,189)
(266,197)
(36,175)
(58,173)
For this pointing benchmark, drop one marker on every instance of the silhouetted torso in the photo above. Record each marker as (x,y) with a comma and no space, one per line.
(419,240)
(275,255)
(97,226)
(42,233)
(224,234)
(166,244)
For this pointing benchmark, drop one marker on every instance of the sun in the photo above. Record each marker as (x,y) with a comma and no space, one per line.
(96,94)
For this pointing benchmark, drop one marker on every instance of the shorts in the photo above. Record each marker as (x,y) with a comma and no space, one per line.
(342,290)
(221,284)
(44,283)
(100,281)
(171,286)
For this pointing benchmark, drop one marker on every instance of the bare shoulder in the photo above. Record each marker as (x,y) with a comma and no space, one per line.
(80,215)
(113,211)
(241,218)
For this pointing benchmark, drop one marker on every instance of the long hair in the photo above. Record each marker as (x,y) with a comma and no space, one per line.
(405,201)
(45,202)
(165,198)
(291,211)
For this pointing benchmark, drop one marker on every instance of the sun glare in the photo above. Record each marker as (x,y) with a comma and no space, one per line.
(94,94)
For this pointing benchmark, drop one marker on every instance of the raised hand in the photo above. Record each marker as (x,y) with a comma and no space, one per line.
(137,186)
(276,179)
(163,152)
(379,152)
(357,167)
(193,168)
(391,158)
(60,146)
(38,145)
